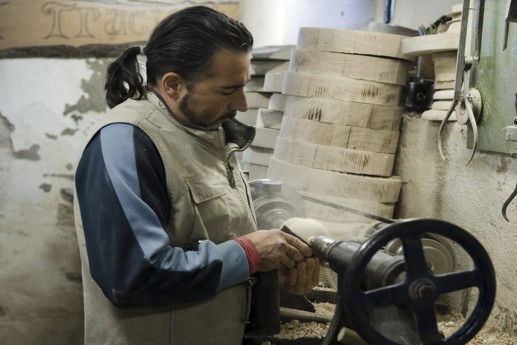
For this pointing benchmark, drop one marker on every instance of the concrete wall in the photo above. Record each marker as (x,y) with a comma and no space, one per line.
(46,106)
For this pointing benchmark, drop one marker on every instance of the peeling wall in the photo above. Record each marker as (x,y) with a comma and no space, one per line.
(45,110)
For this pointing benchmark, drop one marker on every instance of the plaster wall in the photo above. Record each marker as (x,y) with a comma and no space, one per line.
(470,196)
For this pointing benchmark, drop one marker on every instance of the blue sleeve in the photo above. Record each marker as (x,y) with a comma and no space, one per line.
(124,204)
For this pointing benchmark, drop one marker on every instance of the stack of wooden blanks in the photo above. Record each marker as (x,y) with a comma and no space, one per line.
(340,128)
(443,50)
(267,65)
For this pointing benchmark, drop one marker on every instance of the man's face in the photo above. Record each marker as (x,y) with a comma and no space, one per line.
(219,96)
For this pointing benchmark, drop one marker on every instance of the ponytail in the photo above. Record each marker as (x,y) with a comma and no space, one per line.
(123,78)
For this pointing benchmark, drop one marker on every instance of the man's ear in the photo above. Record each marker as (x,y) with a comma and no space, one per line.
(173,85)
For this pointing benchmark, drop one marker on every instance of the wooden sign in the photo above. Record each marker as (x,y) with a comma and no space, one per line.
(35,23)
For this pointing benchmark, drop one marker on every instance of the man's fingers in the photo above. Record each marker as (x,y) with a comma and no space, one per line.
(302,250)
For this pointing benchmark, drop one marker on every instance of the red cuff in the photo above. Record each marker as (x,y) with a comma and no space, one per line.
(251,253)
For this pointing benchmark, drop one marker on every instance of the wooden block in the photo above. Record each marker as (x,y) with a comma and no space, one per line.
(260,67)
(337,184)
(441,105)
(429,44)
(341,88)
(265,137)
(281,52)
(257,155)
(257,99)
(255,84)
(361,67)
(274,78)
(445,84)
(333,158)
(346,113)
(356,138)
(269,118)
(277,102)
(352,42)
(437,115)
(248,117)
(447,94)
(375,208)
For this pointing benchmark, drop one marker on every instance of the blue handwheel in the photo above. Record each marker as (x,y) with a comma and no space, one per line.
(419,289)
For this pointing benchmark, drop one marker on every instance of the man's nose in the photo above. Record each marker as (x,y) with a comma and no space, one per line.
(239,102)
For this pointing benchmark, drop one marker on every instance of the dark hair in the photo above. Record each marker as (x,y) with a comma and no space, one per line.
(185,43)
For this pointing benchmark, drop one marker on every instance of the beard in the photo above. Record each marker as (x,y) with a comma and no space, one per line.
(196,120)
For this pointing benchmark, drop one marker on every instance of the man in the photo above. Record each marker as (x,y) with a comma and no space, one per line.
(164,217)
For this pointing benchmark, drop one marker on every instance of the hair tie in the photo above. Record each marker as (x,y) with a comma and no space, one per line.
(142,50)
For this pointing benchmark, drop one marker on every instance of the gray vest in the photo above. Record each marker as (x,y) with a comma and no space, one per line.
(200,168)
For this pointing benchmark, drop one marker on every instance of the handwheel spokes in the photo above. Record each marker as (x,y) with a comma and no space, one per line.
(426,322)
(457,281)
(388,295)
(413,249)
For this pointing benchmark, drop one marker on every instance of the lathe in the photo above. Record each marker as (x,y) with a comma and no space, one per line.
(388,286)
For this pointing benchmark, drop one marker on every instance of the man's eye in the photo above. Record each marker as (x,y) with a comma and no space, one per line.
(228,93)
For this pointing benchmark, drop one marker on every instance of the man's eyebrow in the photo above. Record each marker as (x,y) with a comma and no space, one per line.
(236,86)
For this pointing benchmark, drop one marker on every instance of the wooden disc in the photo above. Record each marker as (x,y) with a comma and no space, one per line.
(443,95)
(441,105)
(333,158)
(376,208)
(265,137)
(311,180)
(355,138)
(352,41)
(429,44)
(342,112)
(257,155)
(341,88)
(257,99)
(248,117)
(274,78)
(437,115)
(269,118)
(277,101)
(361,67)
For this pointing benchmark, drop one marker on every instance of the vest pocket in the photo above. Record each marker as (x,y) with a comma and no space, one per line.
(203,189)
(212,213)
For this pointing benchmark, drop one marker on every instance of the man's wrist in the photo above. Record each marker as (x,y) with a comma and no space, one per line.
(251,253)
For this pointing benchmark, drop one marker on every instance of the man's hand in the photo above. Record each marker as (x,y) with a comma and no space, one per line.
(278,250)
(301,279)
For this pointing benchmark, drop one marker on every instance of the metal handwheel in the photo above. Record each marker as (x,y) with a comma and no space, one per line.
(418,288)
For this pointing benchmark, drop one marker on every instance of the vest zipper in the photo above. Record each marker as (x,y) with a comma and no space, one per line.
(229,171)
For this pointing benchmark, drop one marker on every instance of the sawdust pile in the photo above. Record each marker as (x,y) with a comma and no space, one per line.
(447,323)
